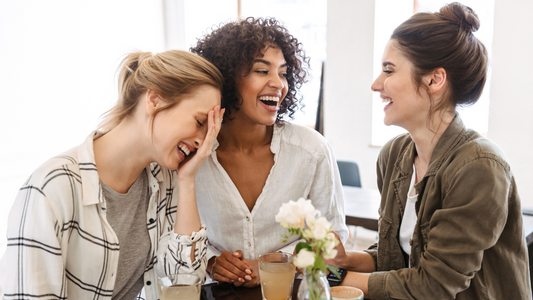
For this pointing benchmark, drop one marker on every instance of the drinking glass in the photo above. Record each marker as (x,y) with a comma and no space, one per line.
(180,286)
(276,272)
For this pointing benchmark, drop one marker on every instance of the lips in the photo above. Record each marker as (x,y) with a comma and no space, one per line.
(269,100)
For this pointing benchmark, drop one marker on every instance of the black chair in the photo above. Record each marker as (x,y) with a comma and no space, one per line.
(349,171)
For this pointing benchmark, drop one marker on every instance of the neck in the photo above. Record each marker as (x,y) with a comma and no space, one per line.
(236,136)
(121,155)
(427,137)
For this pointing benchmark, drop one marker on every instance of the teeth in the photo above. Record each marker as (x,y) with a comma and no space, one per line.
(385,100)
(269,98)
(184,149)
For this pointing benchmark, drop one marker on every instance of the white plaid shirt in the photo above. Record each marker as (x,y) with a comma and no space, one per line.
(60,245)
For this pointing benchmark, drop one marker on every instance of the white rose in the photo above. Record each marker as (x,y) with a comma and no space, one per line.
(320,227)
(304,259)
(331,254)
(294,213)
(329,248)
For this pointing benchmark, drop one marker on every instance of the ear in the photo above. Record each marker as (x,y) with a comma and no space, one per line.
(152,102)
(436,81)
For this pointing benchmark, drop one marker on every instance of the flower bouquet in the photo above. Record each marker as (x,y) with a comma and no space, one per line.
(319,244)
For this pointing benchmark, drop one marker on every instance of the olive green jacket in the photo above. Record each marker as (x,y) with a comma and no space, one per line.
(468,242)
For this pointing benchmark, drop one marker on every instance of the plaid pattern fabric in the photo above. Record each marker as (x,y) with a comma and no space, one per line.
(60,245)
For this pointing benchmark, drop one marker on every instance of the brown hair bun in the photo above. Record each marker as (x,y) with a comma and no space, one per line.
(461,15)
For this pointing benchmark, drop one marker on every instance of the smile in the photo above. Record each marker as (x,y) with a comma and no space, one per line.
(386,100)
(184,149)
(269,100)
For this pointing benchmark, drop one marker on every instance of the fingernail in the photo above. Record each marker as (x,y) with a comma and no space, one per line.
(248,277)
(232,280)
(248,271)
(241,280)
(235,253)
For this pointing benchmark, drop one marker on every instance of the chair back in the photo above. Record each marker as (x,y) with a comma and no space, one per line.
(349,171)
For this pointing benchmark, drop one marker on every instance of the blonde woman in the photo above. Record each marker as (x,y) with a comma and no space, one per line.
(105,219)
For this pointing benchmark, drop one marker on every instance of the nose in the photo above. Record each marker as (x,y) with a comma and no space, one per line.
(277,82)
(377,85)
(200,137)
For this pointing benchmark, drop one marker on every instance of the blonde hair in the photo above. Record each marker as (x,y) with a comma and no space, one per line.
(172,75)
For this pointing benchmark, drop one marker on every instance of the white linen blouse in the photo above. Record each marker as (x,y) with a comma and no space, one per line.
(304,166)
(61,246)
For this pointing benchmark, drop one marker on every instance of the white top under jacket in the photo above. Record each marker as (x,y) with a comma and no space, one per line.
(61,246)
(304,166)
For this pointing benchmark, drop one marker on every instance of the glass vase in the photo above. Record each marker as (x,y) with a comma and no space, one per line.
(314,286)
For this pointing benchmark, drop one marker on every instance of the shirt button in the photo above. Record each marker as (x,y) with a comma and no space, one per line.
(411,242)
(249,244)
(248,219)
(148,283)
(151,221)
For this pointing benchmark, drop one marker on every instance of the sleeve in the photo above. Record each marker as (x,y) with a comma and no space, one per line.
(472,217)
(32,265)
(180,253)
(326,192)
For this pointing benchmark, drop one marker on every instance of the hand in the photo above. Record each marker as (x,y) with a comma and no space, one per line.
(229,267)
(191,164)
(254,264)
(341,260)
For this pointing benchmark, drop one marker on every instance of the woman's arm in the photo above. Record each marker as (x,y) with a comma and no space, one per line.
(185,250)
(33,261)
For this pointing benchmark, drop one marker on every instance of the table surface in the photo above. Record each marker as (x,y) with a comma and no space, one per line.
(361,207)
(229,292)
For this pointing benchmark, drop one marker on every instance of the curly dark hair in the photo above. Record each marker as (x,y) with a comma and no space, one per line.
(232,48)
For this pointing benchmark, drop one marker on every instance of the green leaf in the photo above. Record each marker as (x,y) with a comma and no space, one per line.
(302,245)
(285,236)
(283,241)
(333,269)
(320,264)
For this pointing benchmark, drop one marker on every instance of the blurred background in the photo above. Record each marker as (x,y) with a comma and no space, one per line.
(58,61)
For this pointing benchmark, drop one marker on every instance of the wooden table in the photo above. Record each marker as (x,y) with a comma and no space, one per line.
(361,207)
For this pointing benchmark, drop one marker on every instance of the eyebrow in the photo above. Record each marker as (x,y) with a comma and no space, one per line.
(387,63)
(258,60)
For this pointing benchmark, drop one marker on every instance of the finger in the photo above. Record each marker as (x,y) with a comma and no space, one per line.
(236,267)
(223,275)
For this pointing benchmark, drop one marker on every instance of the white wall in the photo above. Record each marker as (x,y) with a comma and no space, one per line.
(349,74)
(511,101)
(57,76)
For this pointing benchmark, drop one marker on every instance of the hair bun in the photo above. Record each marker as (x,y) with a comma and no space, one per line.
(461,15)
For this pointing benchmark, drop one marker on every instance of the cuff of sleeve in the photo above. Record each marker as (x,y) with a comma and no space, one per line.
(201,235)
(374,254)
(377,286)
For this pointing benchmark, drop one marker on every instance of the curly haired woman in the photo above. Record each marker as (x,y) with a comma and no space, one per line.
(260,160)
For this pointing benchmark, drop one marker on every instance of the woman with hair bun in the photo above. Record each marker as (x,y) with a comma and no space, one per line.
(450,223)
(106,218)
(260,160)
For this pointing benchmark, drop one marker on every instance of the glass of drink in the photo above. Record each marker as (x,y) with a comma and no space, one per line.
(180,286)
(276,273)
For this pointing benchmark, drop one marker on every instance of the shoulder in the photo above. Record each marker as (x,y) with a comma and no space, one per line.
(60,169)
(303,137)
(475,147)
